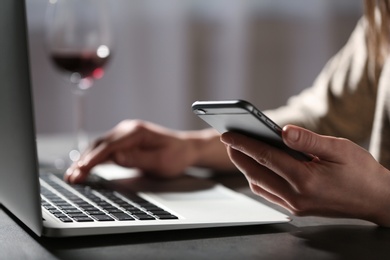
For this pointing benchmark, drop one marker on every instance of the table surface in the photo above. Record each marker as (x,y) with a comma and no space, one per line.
(302,238)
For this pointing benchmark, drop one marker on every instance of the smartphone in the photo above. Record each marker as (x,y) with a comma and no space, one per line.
(242,117)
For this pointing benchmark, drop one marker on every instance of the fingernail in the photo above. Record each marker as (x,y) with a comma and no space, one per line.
(226,140)
(80,163)
(68,172)
(292,134)
(75,176)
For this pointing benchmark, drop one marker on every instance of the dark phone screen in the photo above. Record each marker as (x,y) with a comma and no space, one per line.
(241,117)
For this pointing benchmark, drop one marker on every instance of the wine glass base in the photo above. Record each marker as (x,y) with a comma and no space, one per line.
(74,155)
(64,162)
(57,152)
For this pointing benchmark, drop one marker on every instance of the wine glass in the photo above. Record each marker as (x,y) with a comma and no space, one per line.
(78,41)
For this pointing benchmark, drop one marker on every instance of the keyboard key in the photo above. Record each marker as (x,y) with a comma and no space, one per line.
(108,208)
(151,207)
(116,210)
(103,218)
(136,212)
(55,211)
(72,211)
(88,208)
(102,200)
(70,207)
(60,215)
(50,207)
(131,208)
(122,216)
(95,212)
(65,219)
(167,217)
(143,217)
(83,219)
(79,215)
(159,212)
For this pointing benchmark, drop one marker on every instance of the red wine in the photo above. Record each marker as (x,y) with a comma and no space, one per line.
(86,64)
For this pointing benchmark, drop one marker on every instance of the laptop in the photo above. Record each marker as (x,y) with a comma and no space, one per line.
(50,207)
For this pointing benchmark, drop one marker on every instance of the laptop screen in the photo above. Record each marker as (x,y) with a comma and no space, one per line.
(19,186)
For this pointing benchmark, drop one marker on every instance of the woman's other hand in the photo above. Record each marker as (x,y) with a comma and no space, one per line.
(343,180)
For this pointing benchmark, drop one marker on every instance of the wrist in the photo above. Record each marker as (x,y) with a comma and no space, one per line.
(206,150)
(381,202)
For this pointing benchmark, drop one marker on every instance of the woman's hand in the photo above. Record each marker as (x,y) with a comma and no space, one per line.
(343,180)
(153,149)
(133,143)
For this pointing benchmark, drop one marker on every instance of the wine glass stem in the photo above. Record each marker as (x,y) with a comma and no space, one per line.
(81,138)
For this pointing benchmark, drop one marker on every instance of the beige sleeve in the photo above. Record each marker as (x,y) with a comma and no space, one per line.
(341,101)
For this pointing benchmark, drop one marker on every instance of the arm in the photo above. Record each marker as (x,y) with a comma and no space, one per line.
(341,101)
(208,149)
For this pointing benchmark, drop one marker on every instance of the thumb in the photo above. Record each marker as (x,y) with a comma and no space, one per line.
(306,141)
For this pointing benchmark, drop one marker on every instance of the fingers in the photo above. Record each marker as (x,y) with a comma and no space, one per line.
(266,155)
(132,143)
(325,147)
(270,197)
(262,181)
(272,173)
(80,170)
(127,134)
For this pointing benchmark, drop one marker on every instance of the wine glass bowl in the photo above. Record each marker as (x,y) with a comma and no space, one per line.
(85,67)
(78,42)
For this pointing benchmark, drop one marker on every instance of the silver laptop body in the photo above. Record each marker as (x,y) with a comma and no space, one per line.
(184,203)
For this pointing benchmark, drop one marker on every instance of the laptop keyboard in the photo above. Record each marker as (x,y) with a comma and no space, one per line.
(79,203)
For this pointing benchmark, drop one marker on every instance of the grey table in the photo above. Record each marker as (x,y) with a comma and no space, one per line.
(303,238)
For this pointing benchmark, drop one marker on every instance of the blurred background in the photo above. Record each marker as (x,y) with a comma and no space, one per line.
(168,54)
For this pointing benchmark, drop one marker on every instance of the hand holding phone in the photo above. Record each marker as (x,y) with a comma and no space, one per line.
(242,117)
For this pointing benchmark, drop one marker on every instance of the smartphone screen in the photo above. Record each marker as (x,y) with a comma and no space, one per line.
(242,117)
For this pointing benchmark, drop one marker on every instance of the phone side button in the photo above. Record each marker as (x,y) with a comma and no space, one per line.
(269,123)
(200,111)
(277,128)
(260,115)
